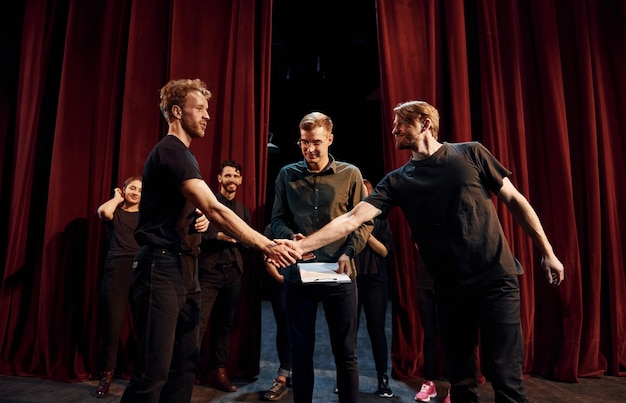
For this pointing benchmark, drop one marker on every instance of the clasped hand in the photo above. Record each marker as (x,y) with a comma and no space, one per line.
(284,252)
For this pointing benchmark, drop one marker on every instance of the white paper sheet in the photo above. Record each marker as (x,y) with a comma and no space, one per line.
(318,272)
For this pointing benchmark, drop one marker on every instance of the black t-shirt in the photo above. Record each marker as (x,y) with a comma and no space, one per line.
(446,199)
(224,252)
(121,230)
(165,215)
(370,262)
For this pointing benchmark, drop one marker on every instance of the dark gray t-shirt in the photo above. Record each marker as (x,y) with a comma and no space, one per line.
(165,216)
(447,201)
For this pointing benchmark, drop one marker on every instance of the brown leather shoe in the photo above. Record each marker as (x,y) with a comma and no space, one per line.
(219,380)
(106,377)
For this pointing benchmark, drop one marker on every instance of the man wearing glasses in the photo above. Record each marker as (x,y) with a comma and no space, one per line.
(309,194)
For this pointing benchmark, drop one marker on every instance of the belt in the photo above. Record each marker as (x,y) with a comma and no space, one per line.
(224,265)
(164,251)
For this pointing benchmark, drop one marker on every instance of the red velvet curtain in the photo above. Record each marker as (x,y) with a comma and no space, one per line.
(82,93)
(541,84)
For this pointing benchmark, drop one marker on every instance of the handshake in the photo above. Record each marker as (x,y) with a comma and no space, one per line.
(285,252)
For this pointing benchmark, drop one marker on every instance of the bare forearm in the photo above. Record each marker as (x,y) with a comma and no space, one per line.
(339,227)
(106,211)
(527,218)
(232,224)
(334,230)
(198,193)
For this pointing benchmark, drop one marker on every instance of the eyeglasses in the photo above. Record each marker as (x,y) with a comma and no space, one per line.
(307,144)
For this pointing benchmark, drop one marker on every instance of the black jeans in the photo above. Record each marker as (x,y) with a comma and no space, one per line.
(221,289)
(114,300)
(428,319)
(494,311)
(339,302)
(373,295)
(279,309)
(166,311)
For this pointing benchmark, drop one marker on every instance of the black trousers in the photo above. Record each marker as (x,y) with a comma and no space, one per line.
(276,296)
(114,302)
(166,311)
(494,312)
(221,289)
(428,319)
(372,300)
(339,302)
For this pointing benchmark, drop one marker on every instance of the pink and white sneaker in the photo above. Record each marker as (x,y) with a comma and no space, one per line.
(428,391)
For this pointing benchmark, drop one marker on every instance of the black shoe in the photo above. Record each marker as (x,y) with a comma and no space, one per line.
(383,386)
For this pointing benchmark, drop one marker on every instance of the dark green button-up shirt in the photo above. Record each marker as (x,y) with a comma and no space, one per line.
(306,201)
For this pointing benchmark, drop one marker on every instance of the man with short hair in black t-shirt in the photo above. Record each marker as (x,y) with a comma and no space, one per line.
(166,292)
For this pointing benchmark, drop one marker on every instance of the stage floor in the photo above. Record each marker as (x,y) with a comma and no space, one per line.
(31,390)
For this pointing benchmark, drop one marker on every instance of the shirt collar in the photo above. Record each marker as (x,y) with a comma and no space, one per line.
(328,169)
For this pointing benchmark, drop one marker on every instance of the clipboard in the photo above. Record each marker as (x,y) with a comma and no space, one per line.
(319,272)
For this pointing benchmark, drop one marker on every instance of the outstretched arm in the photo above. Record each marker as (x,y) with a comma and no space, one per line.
(199,193)
(339,227)
(528,219)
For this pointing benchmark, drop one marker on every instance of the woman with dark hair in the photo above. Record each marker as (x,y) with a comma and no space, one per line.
(120,215)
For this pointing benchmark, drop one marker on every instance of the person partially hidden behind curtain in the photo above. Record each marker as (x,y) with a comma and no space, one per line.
(444,192)
(428,319)
(372,266)
(221,264)
(165,287)
(120,216)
